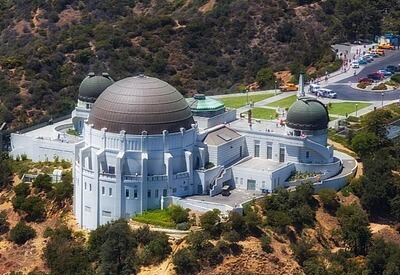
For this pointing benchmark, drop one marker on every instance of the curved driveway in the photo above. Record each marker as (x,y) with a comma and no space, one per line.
(345,92)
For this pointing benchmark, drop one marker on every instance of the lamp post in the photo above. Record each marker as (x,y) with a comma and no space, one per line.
(247,96)
(276,83)
(356,109)
(382,99)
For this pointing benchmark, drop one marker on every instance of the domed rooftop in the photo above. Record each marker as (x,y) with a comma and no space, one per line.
(141,103)
(307,114)
(200,103)
(93,85)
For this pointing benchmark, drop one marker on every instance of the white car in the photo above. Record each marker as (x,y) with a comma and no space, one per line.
(326,93)
(314,88)
(355,65)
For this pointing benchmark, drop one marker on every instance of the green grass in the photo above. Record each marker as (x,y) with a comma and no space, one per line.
(156,217)
(240,101)
(284,103)
(344,108)
(263,113)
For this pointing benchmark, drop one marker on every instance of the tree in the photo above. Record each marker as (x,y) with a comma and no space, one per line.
(265,77)
(364,143)
(5,171)
(328,198)
(376,122)
(210,220)
(42,183)
(4,224)
(118,251)
(303,251)
(21,233)
(265,241)
(355,231)
(185,262)
(279,220)
(66,255)
(34,207)
(178,214)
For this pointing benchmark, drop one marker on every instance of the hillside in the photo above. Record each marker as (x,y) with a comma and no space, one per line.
(213,46)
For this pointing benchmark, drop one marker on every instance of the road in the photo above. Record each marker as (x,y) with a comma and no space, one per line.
(345,92)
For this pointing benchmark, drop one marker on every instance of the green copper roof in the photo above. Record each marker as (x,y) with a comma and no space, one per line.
(307,114)
(93,85)
(201,103)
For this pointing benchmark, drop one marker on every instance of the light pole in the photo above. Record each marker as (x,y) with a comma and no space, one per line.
(276,83)
(247,96)
(356,109)
(382,99)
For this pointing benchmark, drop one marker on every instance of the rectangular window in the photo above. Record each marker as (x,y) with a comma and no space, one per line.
(85,185)
(164,192)
(106,213)
(282,154)
(256,148)
(103,190)
(149,193)
(156,193)
(240,151)
(135,193)
(111,169)
(269,150)
(90,187)
(127,193)
(307,154)
(110,192)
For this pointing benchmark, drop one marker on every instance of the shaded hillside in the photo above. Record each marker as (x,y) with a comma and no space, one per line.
(47,47)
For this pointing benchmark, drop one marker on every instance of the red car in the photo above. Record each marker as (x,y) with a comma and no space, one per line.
(365,80)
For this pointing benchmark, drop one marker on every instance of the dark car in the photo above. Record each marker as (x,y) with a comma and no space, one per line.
(393,68)
(389,69)
(375,76)
(365,80)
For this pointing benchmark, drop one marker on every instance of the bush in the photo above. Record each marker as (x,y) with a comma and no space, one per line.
(381,86)
(266,243)
(395,78)
(328,197)
(185,262)
(42,183)
(178,214)
(362,85)
(4,224)
(21,233)
(183,226)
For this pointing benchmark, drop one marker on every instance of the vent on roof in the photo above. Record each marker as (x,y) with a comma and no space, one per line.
(199,96)
(224,137)
(91,74)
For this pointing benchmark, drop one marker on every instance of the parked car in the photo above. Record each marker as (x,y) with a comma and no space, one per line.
(368,57)
(289,87)
(394,68)
(386,46)
(362,61)
(355,64)
(379,51)
(326,93)
(374,54)
(385,73)
(375,76)
(389,69)
(313,88)
(365,80)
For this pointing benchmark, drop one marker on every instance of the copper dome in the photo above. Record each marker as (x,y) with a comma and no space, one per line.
(141,103)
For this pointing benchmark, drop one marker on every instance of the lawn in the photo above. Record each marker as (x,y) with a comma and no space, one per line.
(284,103)
(240,101)
(156,217)
(344,108)
(263,113)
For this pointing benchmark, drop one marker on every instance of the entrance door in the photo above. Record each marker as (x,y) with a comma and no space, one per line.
(251,185)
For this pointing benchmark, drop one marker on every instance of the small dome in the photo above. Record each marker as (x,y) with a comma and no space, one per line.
(141,103)
(93,85)
(307,114)
(205,106)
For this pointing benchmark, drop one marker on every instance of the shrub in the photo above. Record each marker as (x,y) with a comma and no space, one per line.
(381,86)
(185,262)
(21,233)
(266,243)
(178,214)
(328,197)
(183,226)
(4,224)
(362,85)
(395,78)
(42,183)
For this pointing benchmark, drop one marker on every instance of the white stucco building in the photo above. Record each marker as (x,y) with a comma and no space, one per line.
(143,144)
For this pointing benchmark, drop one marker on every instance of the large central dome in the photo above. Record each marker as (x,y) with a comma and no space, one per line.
(141,103)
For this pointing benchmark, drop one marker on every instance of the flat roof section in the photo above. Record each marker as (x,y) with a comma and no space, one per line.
(258,125)
(260,165)
(220,136)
